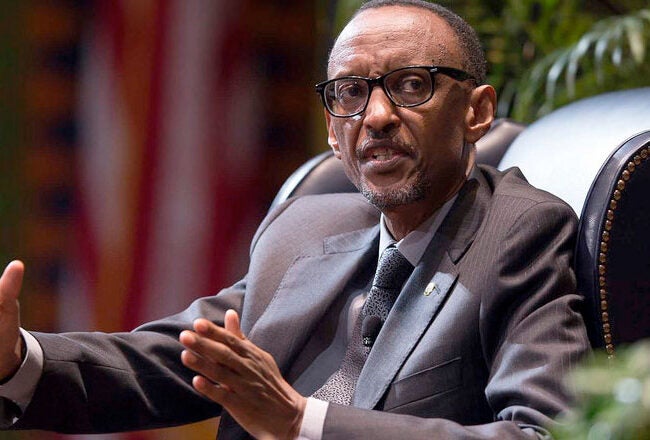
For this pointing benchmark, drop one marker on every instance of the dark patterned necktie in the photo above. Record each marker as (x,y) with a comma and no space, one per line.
(392,271)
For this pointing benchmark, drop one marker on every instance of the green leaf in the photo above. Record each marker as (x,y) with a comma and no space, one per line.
(634,30)
(554,73)
(575,57)
(600,48)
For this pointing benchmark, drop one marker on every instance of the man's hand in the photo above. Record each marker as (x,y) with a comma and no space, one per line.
(10,340)
(242,378)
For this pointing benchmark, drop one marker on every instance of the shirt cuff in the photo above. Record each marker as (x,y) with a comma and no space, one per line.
(313,420)
(20,388)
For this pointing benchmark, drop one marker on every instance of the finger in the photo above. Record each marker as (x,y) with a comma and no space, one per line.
(214,371)
(211,350)
(231,321)
(209,330)
(215,392)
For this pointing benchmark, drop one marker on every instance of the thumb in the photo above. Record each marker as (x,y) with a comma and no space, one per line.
(231,323)
(11,282)
(10,340)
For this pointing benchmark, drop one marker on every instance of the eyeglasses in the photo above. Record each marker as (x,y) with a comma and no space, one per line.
(405,87)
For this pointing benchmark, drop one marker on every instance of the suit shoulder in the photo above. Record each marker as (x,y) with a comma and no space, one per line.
(511,185)
(313,217)
(340,208)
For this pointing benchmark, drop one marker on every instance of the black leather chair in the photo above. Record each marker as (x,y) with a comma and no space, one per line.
(491,148)
(594,154)
(613,249)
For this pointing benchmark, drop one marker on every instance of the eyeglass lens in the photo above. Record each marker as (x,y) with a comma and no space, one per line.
(405,87)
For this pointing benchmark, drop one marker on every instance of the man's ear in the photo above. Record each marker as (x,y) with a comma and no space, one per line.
(480,114)
(331,136)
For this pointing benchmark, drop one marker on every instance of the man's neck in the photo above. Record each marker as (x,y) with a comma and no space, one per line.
(406,218)
(403,219)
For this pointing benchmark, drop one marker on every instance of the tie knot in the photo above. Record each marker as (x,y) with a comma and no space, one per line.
(393,270)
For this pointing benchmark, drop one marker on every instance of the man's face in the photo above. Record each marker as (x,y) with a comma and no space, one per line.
(400,156)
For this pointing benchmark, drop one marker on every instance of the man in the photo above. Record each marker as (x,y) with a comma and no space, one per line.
(476,343)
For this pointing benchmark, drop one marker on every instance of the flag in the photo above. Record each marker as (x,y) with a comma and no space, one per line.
(167,195)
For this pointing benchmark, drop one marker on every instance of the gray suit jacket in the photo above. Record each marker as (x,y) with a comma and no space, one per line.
(482,356)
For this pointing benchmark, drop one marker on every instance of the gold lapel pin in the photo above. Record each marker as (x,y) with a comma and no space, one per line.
(429,289)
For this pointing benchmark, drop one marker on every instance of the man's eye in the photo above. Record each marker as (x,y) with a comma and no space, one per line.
(411,84)
(349,91)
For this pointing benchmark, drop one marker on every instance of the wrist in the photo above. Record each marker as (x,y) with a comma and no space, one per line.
(294,432)
(19,353)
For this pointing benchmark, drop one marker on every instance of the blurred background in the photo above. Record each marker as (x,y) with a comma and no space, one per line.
(142,141)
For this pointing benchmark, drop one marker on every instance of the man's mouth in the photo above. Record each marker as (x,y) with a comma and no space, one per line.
(383,154)
(382,158)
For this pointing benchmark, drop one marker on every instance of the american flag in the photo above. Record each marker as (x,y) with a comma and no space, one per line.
(168,177)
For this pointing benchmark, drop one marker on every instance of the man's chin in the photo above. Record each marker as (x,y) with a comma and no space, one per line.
(393,198)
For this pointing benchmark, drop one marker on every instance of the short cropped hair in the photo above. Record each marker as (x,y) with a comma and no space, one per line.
(475,62)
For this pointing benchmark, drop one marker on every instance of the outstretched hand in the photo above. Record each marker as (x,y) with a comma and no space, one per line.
(242,378)
(10,340)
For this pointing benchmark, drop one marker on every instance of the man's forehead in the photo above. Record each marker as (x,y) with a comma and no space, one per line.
(388,17)
(395,34)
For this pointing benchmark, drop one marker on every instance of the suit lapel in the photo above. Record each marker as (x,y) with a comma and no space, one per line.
(308,288)
(423,294)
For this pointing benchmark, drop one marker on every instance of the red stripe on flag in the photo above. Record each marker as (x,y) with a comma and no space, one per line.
(147,185)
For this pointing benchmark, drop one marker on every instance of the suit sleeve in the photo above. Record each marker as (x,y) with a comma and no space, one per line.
(531,331)
(97,382)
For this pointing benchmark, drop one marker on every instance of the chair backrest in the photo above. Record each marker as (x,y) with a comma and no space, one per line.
(612,257)
(491,148)
(563,151)
(585,153)
(324,174)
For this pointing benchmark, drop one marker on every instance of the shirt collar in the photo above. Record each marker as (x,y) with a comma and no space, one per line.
(415,243)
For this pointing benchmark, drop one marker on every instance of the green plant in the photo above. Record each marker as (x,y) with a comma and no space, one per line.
(614,397)
(609,56)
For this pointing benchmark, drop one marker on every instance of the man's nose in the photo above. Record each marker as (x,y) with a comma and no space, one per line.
(381,113)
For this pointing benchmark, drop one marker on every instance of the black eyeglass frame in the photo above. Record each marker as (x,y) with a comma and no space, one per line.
(452,72)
